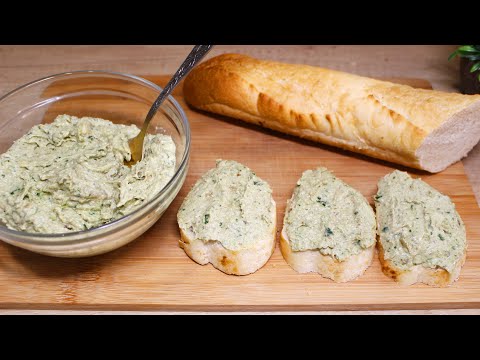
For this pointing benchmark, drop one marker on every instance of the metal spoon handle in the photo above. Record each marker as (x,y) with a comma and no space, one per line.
(196,55)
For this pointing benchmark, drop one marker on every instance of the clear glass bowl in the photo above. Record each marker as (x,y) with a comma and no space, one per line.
(120,98)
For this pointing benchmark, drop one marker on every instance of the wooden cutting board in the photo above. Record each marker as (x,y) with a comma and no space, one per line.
(154,273)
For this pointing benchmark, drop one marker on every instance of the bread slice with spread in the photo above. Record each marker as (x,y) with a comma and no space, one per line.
(228,219)
(329,228)
(422,237)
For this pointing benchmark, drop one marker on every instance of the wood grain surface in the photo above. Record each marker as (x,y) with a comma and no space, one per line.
(153,273)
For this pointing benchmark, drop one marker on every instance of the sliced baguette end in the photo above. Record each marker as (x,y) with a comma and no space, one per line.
(419,274)
(326,266)
(242,262)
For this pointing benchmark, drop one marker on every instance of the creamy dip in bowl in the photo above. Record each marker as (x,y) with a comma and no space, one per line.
(77,199)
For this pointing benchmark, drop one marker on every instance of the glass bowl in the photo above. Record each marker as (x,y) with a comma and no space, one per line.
(120,98)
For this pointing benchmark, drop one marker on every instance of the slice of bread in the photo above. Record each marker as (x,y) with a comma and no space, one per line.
(422,237)
(228,219)
(329,228)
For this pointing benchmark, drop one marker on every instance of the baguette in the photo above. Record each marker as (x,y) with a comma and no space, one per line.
(422,237)
(228,219)
(423,129)
(329,228)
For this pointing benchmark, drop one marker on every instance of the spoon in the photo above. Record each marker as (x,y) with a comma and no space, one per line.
(195,56)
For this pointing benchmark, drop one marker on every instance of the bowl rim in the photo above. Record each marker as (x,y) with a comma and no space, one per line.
(61,239)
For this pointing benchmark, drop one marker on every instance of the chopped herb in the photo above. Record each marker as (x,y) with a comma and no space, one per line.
(256,182)
(355,212)
(206,218)
(328,232)
(322,202)
(440,236)
(377,197)
(385,229)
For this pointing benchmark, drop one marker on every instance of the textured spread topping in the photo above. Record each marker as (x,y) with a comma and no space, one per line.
(417,224)
(229,204)
(326,214)
(69,175)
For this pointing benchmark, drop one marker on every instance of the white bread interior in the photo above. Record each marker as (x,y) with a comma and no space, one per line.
(314,261)
(451,141)
(241,262)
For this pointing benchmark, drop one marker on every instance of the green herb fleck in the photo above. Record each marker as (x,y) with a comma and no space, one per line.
(440,236)
(256,182)
(206,218)
(377,197)
(328,232)
(385,229)
(355,212)
(322,202)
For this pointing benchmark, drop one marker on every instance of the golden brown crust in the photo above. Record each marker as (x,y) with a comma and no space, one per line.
(433,277)
(376,118)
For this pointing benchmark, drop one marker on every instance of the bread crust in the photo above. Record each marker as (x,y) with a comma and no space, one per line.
(327,266)
(372,117)
(241,262)
(420,274)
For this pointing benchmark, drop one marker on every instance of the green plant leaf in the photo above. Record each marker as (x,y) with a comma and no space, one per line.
(469,56)
(452,55)
(475,67)
(467,48)
(470,52)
